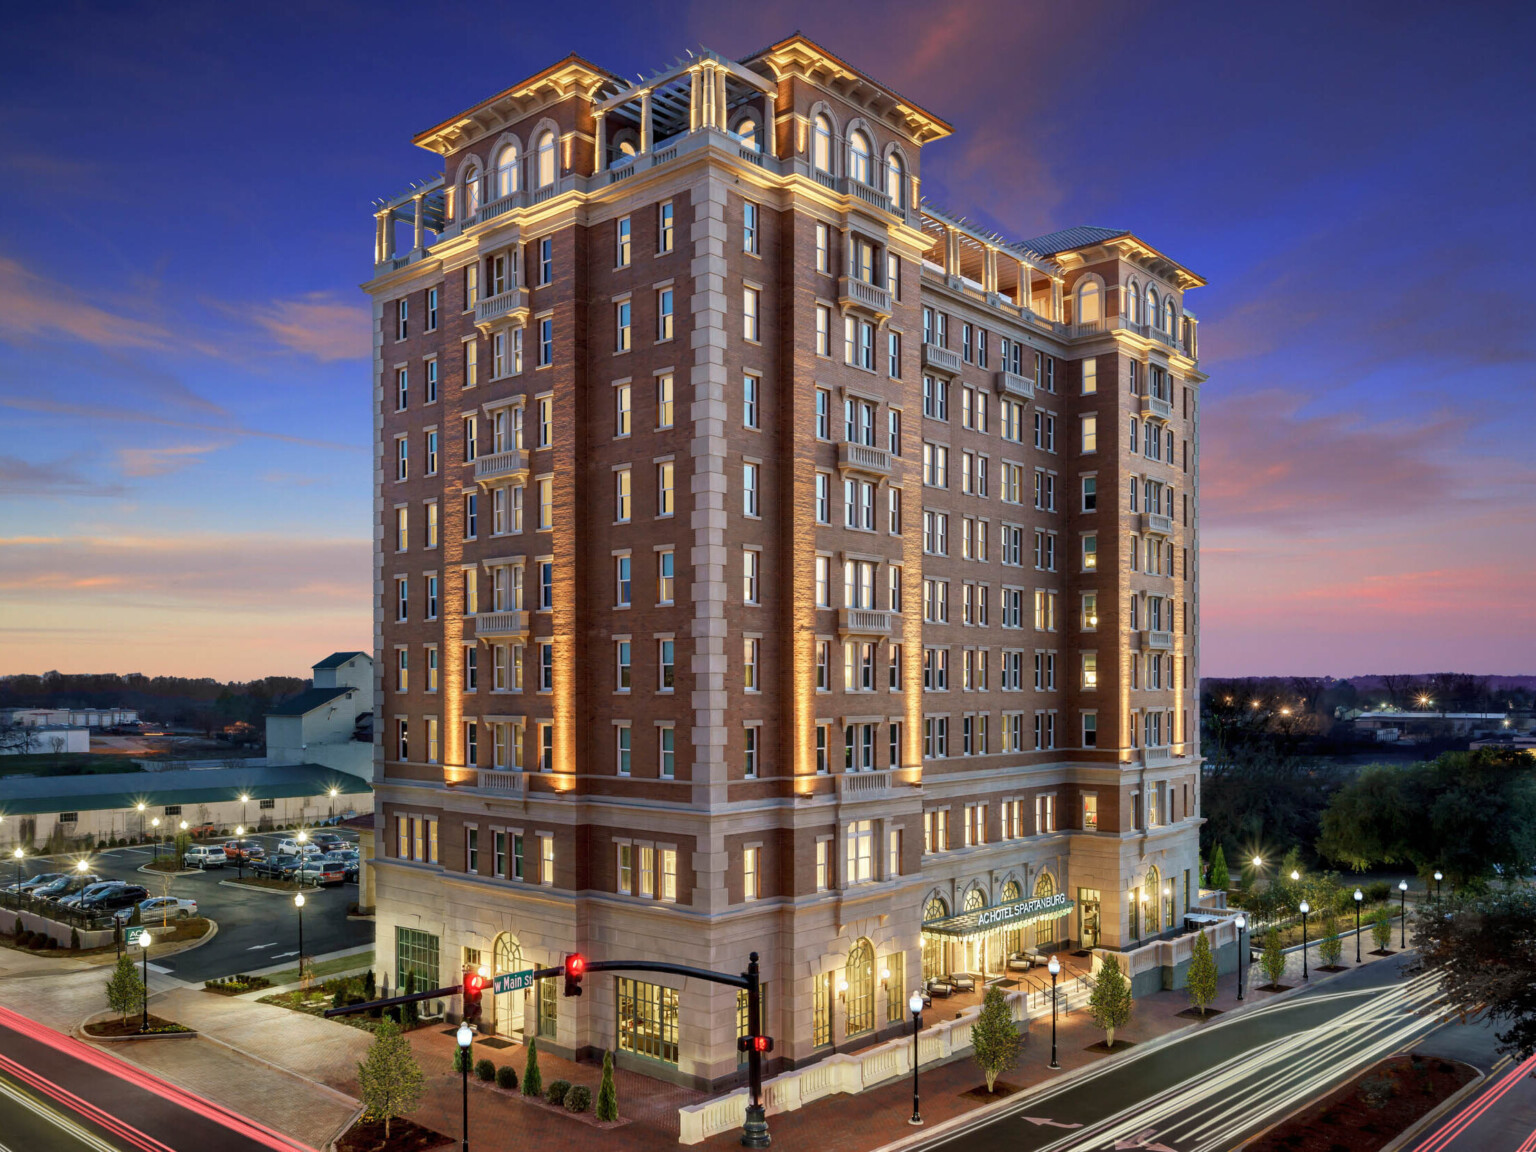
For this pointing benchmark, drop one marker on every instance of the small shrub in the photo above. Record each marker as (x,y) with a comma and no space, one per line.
(460,1060)
(53,942)
(506,1077)
(1377,891)
(607,1095)
(578,1099)
(19,929)
(557,1090)
(485,1070)
(1377,1092)
(533,1079)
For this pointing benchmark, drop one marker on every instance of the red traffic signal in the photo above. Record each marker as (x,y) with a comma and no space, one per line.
(474,985)
(754,1044)
(575,968)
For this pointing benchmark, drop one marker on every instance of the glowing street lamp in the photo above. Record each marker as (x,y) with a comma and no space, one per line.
(18,855)
(298,902)
(1359,899)
(140,807)
(915,1006)
(465,1036)
(144,942)
(155,824)
(1054,968)
(1305,908)
(1439,876)
(1242,922)
(1402,891)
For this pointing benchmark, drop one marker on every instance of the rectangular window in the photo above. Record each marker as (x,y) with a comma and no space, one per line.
(751,561)
(823,330)
(666,655)
(665,217)
(750,751)
(1090,433)
(751,387)
(621,494)
(622,243)
(664,576)
(750,873)
(665,401)
(751,304)
(647,1020)
(664,318)
(666,738)
(546,342)
(749,227)
(823,248)
(749,489)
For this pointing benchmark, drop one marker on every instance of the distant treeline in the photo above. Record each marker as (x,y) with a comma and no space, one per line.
(206,704)
(1436,691)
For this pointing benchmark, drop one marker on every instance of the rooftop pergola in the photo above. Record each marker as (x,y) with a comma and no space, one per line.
(992,263)
(704,91)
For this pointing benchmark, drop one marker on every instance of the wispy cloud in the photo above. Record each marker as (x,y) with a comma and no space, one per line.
(318,325)
(20,477)
(161,461)
(129,415)
(34,306)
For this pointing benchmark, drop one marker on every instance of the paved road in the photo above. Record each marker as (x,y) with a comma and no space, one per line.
(1500,1115)
(256,929)
(60,1095)
(1212,1089)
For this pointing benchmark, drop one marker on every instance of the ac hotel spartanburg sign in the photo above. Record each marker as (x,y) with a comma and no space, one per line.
(1015,912)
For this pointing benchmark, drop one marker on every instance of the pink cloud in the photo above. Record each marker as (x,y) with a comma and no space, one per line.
(319,325)
(35,306)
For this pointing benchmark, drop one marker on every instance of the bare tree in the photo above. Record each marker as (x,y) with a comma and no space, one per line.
(1309,689)
(57,744)
(1399,687)
(17,739)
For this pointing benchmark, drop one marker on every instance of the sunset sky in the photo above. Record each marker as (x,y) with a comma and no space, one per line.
(184,382)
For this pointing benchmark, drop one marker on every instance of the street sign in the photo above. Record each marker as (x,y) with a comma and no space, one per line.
(512,981)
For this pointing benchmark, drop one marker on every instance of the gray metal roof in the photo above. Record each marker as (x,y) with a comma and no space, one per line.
(29,795)
(308,700)
(1068,238)
(337,659)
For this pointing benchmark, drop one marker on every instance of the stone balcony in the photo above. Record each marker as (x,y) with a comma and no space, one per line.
(499,466)
(871,298)
(864,459)
(1156,524)
(942,359)
(503,781)
(1156,641)
(1012,384)
(498,624)
(1155,757)
(1156,406)
(868,622)
(873,785)
(505,309)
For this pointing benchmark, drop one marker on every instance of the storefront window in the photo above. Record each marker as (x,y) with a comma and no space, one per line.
(821,1010)
(416,955)
(648,1020)
(860,974)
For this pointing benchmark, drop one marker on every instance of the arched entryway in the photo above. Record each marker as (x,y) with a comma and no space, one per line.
(1013,939)
(860,996)
(976,957)
(934,964)
(1045,930)
(507,956)
(1151,903)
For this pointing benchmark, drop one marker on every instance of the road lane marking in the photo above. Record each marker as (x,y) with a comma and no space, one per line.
(281,955)
(1038,1121)
(257,947)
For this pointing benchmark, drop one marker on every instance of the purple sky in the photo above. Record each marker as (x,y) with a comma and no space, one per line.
(183,376)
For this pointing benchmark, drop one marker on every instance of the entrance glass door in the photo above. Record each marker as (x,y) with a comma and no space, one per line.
(508,957)
(1088,917)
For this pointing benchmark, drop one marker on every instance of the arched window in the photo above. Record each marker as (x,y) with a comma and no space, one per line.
(975,900)
(860,976)
(1089,303)
(1151,319)
(1133,302)
(471,191)
(507,956)
(1011,891)
(933,946)
(1045,930)
(547,160)
(1013,939)
(746,131)
(506,171)
(896,180)
(1169,317)
(1151,902)
(859,158)
(821,143)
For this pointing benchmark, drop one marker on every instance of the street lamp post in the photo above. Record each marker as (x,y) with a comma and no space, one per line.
(1242,922)
(1359,898)
(1402,891)
(18,854)
(140,807)
(1439,876)
(144,946)
(1054,968)
(298,902)
(915,1006)
(155,824)
(240,851)
(465,1037)
(244,800)
(1305,908)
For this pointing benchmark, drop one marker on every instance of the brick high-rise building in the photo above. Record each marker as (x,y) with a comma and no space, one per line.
(768,560)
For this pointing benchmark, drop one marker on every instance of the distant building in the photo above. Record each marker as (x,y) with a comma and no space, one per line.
(330,723)
(69,717)
(52,739)
(1393,725)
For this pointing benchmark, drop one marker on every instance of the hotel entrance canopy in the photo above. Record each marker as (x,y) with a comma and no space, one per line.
(984,921)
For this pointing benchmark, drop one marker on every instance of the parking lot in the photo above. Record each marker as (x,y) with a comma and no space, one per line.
(257,929)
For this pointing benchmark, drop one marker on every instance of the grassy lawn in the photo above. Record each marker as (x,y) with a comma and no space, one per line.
(1346,924)
(323,969)
(65,764)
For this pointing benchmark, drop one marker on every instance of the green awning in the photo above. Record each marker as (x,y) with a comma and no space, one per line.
(1014,914)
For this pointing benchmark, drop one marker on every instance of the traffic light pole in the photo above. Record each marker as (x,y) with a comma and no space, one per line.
(754,1130)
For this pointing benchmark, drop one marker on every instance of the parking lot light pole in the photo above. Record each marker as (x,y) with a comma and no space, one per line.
(1402,889)
(244,800)
(1242,922)
(298,902)
(1439,876)
(144,946)
(915,1006)
(1305,908)
(19,854)
(240,851)
(155,824)
(140,807)
(465,1037)
(1359,897)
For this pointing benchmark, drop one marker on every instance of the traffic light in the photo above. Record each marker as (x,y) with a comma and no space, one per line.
(474,985)
(759,1044)
(575,968)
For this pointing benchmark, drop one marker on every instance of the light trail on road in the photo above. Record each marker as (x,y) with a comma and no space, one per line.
(1230,1098)
(1485,1100)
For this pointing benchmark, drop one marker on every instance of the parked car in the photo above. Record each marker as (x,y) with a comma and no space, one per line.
(66,885)
(161,908)
(115,898)
(346,861)
(291,847)
(204,856)
(327,841)
(246,850)
(90,890)
(319,872)
(276,867)
(32,883)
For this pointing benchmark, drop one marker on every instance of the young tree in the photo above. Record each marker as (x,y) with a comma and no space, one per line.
(607,1095)
(1485,962)
(1273,959)
(392,1082)
(1110,1003)
(533,1081)
(994,1036)
(1201,978)
(1331,946)
(1381,928)
(410,1012)
(125,991)
(1221,879)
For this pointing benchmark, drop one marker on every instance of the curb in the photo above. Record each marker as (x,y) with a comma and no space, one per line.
(1433,1116)
(330,1144)
(247,887)
(148,871)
